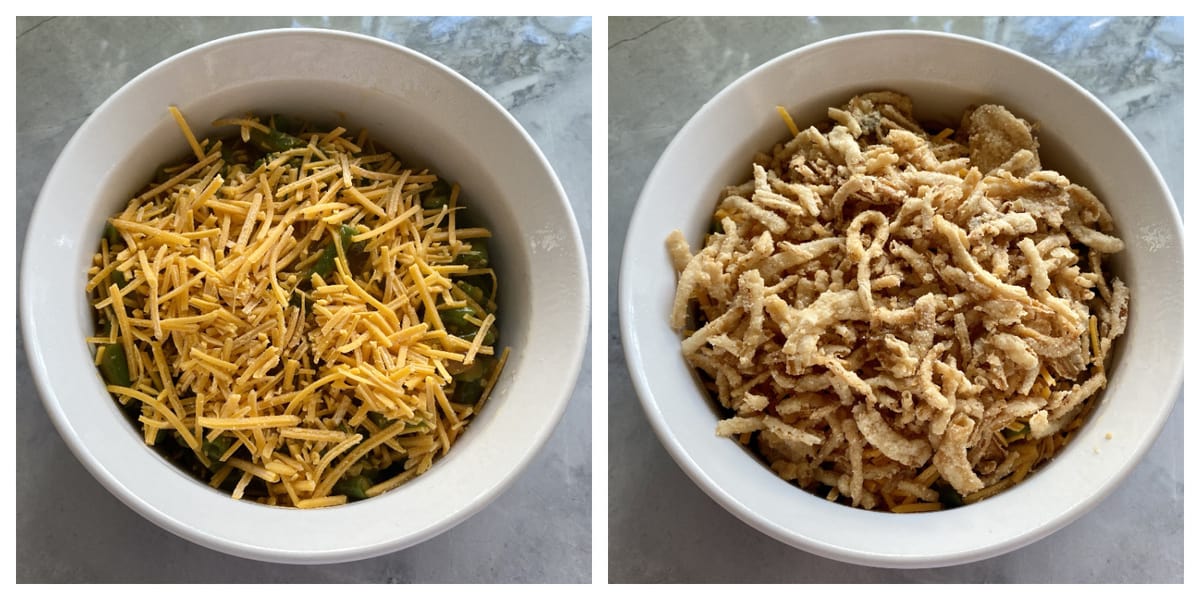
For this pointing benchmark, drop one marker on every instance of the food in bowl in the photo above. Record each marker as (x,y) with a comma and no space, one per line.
(902,320)
(294,315)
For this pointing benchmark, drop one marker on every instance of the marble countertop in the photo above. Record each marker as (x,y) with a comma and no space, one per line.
(70,529)
(662,527)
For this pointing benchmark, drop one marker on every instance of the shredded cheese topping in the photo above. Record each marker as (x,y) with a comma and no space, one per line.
(304,329)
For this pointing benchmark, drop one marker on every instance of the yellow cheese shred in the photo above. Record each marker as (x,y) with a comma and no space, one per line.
(281,319)
(787,119)
(187,132)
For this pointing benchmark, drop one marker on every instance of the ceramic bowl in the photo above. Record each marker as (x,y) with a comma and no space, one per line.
(943,74)
(424,112)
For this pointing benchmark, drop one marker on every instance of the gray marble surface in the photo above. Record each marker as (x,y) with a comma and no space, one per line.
(664,528)
(70,529)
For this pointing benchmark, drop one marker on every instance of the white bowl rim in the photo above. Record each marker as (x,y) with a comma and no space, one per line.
(572,353)
(729,500)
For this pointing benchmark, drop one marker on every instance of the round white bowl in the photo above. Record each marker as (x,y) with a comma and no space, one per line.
(943,74)
(427,114)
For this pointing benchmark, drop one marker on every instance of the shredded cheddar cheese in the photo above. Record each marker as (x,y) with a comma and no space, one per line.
(295,317)
(787,119)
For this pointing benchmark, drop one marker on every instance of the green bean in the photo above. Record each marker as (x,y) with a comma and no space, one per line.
(363,467)
(347,233)
(481,282)
(300,299)
(114,366)
(275,140)
(354,487)
(286,124)
(326,262)
(234,154)
(947,495)
(379,420)
(437,197)
(467,392)
(1010,435)
(473,373)
(420,425)
(112,235)
(489,338)
(217,448)
(118,278)
(472,292)
(476,257)
(455,320)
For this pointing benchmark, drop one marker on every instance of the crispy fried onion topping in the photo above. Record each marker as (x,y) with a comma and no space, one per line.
(887,313)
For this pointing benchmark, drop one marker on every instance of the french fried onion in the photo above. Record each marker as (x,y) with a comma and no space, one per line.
(893,317)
